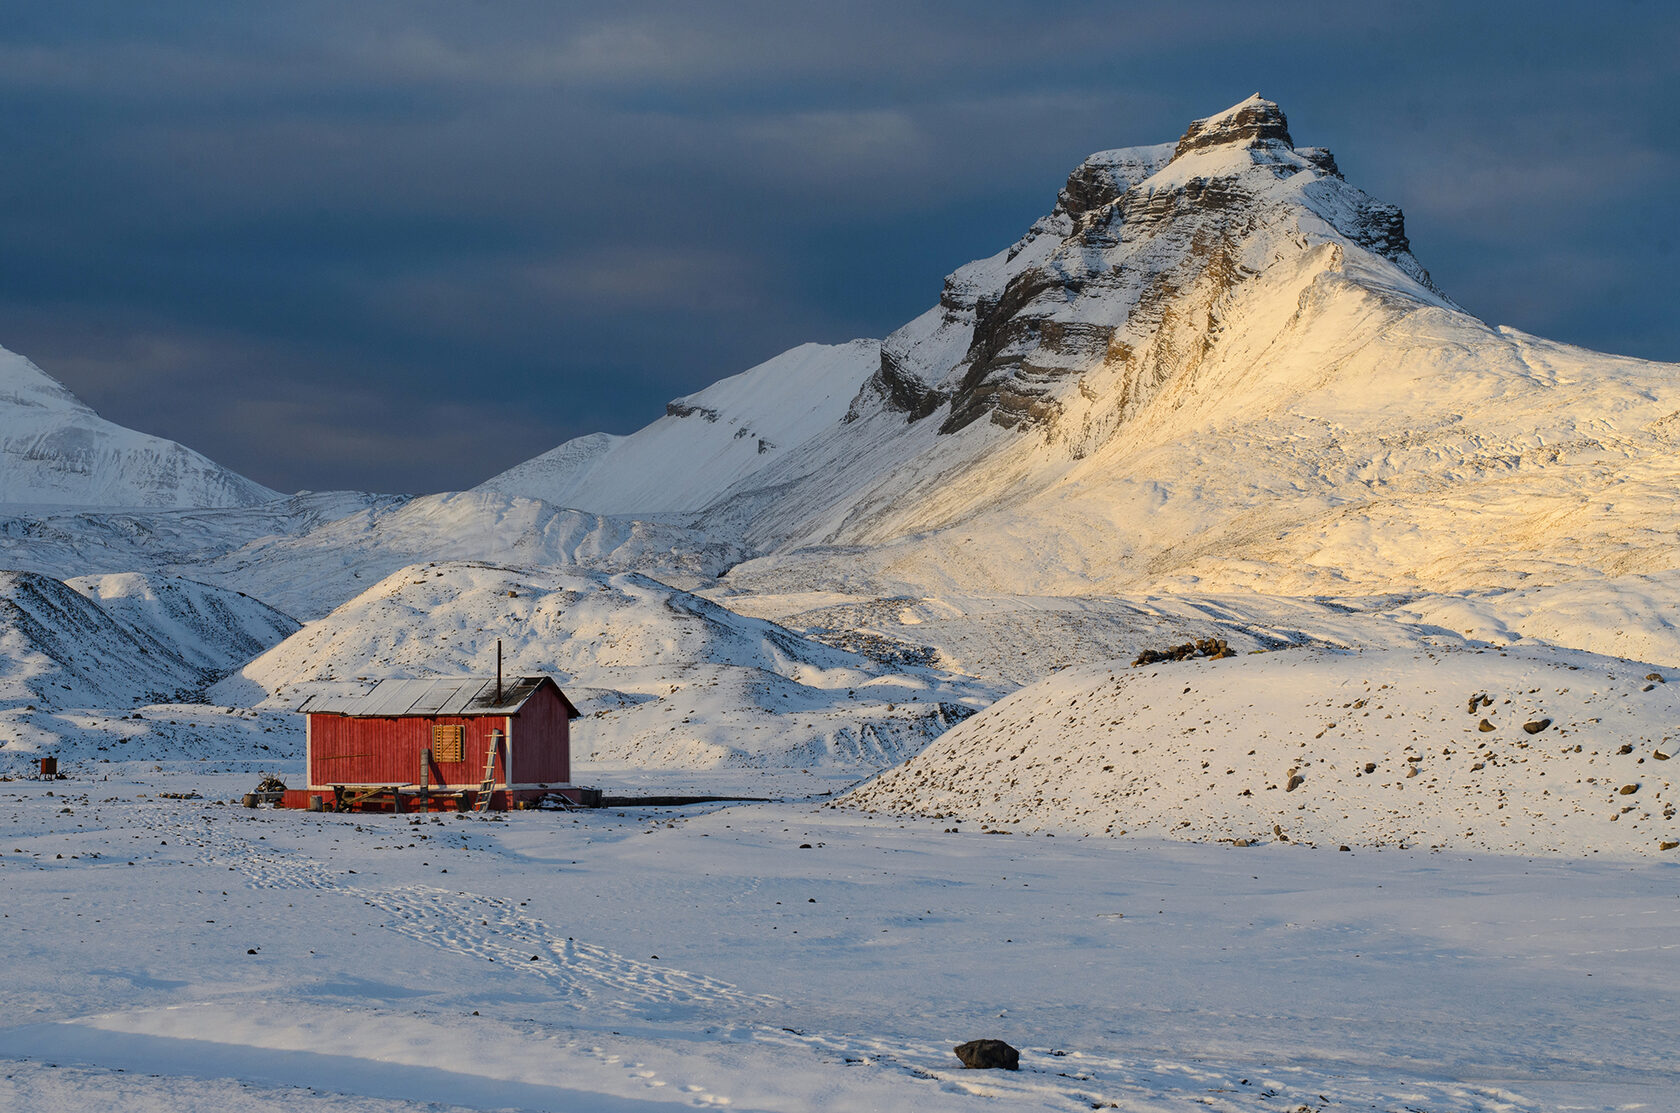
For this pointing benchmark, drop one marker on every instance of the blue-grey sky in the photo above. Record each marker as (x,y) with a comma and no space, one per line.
(401,246)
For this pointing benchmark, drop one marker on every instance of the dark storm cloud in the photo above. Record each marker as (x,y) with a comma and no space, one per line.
(402,246)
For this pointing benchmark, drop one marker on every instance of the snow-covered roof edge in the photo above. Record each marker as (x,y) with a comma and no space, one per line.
(426,698)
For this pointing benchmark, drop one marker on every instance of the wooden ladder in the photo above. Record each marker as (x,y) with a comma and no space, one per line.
(488,784)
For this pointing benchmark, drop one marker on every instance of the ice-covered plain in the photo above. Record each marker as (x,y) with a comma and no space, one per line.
(1405,842)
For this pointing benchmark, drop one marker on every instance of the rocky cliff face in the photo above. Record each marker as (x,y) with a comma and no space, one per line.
(1129,272)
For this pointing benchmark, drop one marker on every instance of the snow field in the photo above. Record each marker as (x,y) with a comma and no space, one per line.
(86,739)
(781,957)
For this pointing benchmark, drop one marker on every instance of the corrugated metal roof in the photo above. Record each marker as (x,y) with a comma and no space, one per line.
(453,695)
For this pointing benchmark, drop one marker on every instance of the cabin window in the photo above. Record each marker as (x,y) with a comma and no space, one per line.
(448,742)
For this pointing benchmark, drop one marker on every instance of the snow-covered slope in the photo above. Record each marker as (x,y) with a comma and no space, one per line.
(706,441)
(1017,639)
(60,649)
(54,450)
(114,641)
(211,628)
(1522,750)
(665,679)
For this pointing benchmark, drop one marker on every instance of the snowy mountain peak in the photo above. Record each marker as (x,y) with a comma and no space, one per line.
(1255,122)
(23,384)
(1142,240)
(55,450)
(1214,360)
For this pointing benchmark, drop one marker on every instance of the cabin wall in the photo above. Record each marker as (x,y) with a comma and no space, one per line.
(346,751)
(542,741)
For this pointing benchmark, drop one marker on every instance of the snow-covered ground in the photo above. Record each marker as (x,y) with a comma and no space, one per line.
(184,954)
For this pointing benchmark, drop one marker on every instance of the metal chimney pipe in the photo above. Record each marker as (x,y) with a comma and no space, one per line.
(498,672)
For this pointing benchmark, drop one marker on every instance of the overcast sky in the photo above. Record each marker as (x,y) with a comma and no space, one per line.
(402,246)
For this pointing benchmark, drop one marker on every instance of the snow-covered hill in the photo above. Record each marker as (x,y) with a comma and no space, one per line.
(1525,751)
(665,679)
(56,451)
(117,640)
(211,628)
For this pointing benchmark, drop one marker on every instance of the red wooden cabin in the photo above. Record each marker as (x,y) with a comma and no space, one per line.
(432,742)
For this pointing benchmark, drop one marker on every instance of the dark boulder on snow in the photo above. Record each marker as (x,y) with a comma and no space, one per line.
(988,1055)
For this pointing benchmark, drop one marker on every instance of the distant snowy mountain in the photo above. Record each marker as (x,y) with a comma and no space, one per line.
(309,572)
(706,442)
(1215,365)
(65,542)
(56,451)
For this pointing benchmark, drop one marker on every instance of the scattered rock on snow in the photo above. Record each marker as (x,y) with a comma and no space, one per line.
(1536,726)
(1214,648)
(988,1055)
